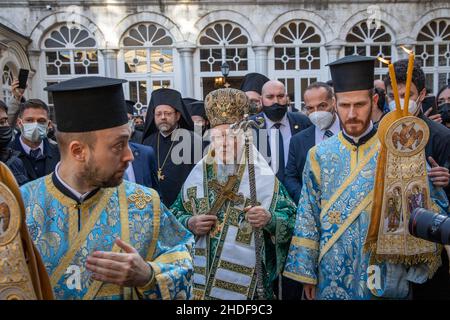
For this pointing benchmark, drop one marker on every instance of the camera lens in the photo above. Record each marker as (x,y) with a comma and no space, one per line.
(429,226)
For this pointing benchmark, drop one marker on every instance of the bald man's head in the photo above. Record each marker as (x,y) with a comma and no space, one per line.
(379,84)
(274,100)
(272,92)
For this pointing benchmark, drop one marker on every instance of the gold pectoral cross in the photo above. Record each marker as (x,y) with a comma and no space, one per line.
(160,175)
(225,192)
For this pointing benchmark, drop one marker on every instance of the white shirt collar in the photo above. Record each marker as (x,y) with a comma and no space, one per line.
(356,139)
(27,149)
(78,195)
(269,123)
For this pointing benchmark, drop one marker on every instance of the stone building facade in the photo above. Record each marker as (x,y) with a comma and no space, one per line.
(183,44)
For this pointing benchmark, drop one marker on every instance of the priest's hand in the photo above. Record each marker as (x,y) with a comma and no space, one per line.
(258,217)
(201,224)
(126,269)
(437,174)
(310,291)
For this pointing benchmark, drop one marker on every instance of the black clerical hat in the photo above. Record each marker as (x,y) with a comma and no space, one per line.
(171,98)
(188,101)
(88,104)
(197,109)
(352,73)
(130,107)
(253,82)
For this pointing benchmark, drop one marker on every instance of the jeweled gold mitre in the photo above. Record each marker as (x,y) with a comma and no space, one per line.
(226,106)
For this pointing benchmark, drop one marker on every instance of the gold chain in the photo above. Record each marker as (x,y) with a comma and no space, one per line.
(160,175)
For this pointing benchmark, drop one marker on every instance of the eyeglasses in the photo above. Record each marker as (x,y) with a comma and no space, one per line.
(165,113)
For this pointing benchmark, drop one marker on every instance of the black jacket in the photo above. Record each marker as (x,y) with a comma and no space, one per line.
(298,150)
(145,165)
(11,158)
(51,158)
(297,121)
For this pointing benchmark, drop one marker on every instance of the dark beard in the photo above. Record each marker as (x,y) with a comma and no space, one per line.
(90,175)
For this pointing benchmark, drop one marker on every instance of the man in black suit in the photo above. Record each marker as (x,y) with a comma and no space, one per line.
(38,154)
(320,108)
(273,143)
(143,170)
(280,125)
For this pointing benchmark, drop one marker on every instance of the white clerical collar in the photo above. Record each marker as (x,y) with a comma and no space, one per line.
(356,139)
(78,195)
(27,149)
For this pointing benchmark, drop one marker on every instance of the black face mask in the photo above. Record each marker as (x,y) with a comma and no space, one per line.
(6,134)
(51,134)
(275,112)
(139,127)
(444,110)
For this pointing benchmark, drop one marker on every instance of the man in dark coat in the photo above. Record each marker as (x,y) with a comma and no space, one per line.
(143,169)
(320,108)
(278,127)
(38,154)
(9,156)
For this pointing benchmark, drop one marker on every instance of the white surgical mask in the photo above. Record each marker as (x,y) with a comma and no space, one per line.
(34,132)
(321,119)
(413,106)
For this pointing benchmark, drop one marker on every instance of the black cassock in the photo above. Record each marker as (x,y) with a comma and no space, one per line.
(174,174)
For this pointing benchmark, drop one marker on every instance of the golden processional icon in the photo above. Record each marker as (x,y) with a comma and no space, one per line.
(401,184)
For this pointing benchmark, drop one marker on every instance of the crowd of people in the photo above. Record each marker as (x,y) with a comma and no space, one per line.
(183,202)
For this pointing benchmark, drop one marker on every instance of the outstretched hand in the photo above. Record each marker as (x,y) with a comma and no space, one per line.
(126,269)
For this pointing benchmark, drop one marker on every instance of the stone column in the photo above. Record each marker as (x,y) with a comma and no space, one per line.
(110,62)
(261,58)
(187,69)
(333,49)
(36,80)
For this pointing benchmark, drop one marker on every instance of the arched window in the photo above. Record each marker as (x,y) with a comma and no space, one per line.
(7,80)
(370,41)
(70,51)
(147,61)
(297,57)
(220,43)
(433,50)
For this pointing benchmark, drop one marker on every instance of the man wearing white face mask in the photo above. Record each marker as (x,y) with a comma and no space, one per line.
(319,107)
(38,155)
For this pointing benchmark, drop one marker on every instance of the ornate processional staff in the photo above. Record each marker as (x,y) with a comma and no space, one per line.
(245,125)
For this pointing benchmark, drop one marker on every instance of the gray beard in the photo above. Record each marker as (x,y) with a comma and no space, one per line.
(167,132)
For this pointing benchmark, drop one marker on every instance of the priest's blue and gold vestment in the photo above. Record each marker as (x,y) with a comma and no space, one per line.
(66,232)
(333,217)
